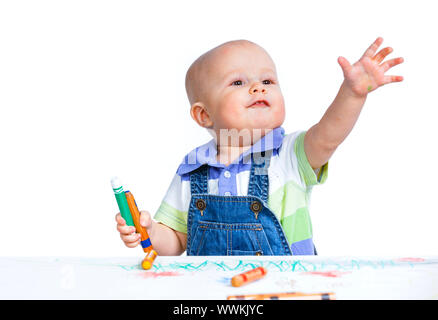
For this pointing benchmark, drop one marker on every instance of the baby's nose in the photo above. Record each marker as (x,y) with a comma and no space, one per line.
(257,88)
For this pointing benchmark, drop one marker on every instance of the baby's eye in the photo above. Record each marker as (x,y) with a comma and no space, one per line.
(267,82)
(237,83)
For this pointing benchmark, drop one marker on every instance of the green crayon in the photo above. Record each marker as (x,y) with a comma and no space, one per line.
(121,201)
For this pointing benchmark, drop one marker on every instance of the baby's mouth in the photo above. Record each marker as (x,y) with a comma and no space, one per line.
(259,103)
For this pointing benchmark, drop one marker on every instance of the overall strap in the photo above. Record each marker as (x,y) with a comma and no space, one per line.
(258,179)
(199,180)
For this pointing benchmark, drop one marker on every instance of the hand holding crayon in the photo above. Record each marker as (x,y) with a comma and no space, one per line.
(130,214)
(128,234)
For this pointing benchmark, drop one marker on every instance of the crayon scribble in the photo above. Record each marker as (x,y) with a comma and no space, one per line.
(289,265)
(292,265)
(131,267)
(409,259)
(330,274)
(146,275)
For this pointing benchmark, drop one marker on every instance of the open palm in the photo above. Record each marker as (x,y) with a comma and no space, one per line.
(368,73)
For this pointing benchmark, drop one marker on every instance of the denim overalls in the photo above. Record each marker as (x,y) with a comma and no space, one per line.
(234,225)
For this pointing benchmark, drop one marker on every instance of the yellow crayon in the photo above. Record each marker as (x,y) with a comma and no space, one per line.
(149,260)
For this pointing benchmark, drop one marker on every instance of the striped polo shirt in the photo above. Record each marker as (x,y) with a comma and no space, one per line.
(290,175)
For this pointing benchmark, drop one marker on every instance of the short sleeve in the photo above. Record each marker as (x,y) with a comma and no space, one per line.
(307,173)
(174,206)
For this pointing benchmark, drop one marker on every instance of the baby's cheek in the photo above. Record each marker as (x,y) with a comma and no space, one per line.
(278,108)
(280,114)
(230,116)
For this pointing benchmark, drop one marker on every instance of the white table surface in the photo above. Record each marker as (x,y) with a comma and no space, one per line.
(188,278)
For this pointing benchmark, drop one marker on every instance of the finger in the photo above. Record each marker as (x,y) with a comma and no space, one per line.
(125,230)
(390,79)
(145,219)
(120,219)
(132,244)
(131,238)
(382,54)
(345,65)
(391,63)
(373,48)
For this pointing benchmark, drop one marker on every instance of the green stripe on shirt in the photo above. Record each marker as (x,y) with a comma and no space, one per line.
(306,171)
(172,217)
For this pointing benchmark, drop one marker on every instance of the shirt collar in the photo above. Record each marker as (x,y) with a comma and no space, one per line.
(206,154)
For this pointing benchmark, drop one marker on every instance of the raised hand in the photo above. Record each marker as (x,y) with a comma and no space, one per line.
(368,73)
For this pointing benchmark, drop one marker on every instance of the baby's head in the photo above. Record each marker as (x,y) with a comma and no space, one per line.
(235,86)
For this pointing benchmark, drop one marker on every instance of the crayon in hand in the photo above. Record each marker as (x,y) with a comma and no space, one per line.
(146,243)
(248,276)
(145,240)
(129,211)
(121,201)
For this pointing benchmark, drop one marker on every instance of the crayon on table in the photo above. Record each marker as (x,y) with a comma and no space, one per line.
(285,296)
(249,276)
(121,201)
(145,240)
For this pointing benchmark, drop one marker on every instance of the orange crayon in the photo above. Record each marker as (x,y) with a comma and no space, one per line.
(285,296)
(248,276)
(145,241)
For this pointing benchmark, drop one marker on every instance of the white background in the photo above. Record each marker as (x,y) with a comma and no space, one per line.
(93,89)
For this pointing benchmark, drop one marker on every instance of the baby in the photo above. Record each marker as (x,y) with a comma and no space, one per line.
(247,191)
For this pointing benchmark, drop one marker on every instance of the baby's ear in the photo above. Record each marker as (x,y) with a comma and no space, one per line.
(200,114)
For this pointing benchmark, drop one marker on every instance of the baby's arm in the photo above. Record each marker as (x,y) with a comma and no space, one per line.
(321,140)
(165,240)
(366,75)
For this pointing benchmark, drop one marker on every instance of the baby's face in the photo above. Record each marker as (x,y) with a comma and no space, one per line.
(242,90)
